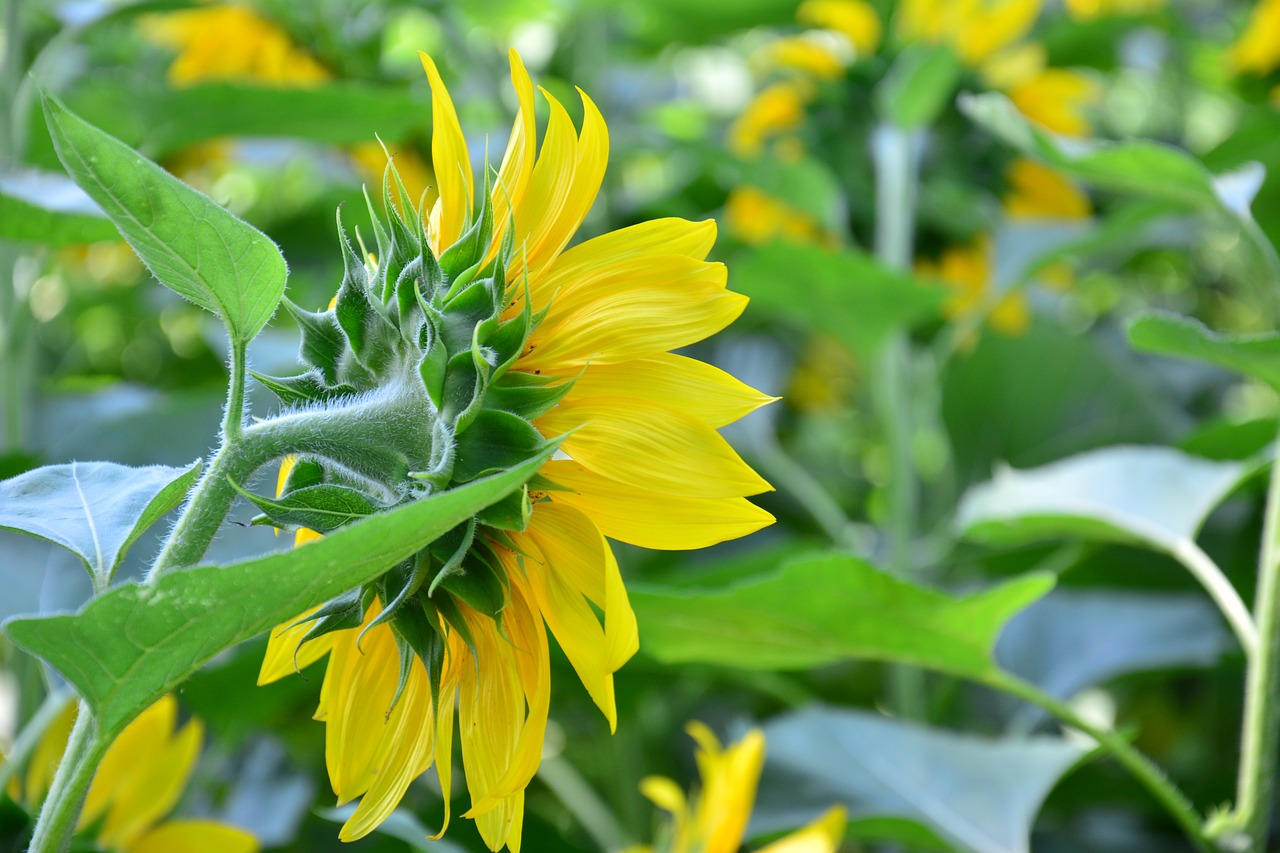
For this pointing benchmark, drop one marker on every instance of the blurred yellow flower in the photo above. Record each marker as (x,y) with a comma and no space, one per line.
(231,42)
(975,29)
(1257,50)
(824,377)
(1088,10)
(713,821)
(773,111)
(1038,192)
(756,217)
(968,272)
(1057,98)
(802,53)
(370,160)
(856,20)
(139,781)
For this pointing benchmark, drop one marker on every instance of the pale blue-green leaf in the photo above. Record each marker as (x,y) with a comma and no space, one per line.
(829,607)
(128,647)
(1153,495)
(94,509)
(979,794)
(1237,189)
(1256,355)
(193,246)
(49,208)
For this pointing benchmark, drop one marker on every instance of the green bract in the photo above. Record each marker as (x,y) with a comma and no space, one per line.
(432,342)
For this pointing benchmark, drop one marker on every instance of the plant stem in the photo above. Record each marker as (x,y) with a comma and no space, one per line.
(593,815)
(61,811)
(779,468)
(35,728)
(1259,741)
(1206,571)
(1142,768)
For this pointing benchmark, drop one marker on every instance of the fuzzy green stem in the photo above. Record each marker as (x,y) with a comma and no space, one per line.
(1260,738)
(1142,768)
(1210,576)
(31,733)
(57,823)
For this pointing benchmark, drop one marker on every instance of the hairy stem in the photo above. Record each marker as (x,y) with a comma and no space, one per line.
(1260,738)
(57,823)
(1142,768)
(1206,571)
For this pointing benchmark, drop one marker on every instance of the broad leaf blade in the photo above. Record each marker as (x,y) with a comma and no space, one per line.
(190,244)
(127,648)
(1170,334)
(826,608)
(1156,496)
(94,509)
(979,794)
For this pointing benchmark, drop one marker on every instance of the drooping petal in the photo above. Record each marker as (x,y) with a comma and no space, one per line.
(676,381)
(152,788)
(621,634)
(549,185)
(449,160)
(194,836)
(655,520)
(822,836)
(517,162)
(729,779)
(284,656)
(137,747)
(652,447)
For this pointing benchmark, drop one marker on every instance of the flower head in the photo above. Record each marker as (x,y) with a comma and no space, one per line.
(714,819)
(478,322)
(140,780)
(968,272)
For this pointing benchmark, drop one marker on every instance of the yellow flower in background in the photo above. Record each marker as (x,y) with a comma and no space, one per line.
(854,19)
(975,29)
(714,819)
(969,272)
(642,463)
(370,159)
(775,110)
(756,217)
(1089,10)
(1038,192)
(1057,98)
(230,42)
(1257,50)
(140,780)
(802,53)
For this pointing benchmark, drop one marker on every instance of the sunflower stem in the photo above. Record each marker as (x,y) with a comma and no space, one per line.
(56,825)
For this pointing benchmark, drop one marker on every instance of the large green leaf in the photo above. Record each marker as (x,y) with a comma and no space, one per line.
(1170,334)
(191,245)
(1155,496)
(979,794)
(127,648)
(1139,167)
(918,85)
(94,509)
(829,607)
(844,293)
(47,208)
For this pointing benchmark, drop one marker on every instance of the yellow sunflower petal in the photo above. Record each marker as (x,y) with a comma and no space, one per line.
(47,755)
(194,836)
(548,187)
(621,634)
(729,779)
(446,702)
(676,381)
(136,749)
(449,160)
(152,788)
(651,447)
(822,836)
(517,162)
(285,657)
(357,734)
(670,522)
(665,794)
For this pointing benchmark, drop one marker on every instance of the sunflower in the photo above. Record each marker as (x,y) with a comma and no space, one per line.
(714,821)
(516,340)
(140,780)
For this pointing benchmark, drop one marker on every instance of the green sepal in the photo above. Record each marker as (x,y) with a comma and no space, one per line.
(309,387)
(449,611)
(482,583)
(464,312)
(395,587)
(407,287)
(304,473)
(510,513)
(468,252)
(493,441)
(526,394)
(439,470)
(370,335)
(322,340)
(340,613)
(464,388)
(433,368)
(418,635)
(323,508)
(449,550)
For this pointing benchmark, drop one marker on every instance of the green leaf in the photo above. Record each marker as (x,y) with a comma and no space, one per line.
(48,208)
(1142,168)
(824,608)
(125,649)
(979,794)
(1155,496)
(844,293)
(96,510)
(190,244)
(1170,334)
(323,508)
(918,85)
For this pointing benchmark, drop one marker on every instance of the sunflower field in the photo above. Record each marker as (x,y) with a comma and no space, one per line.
(792,426)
